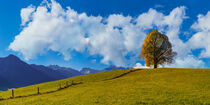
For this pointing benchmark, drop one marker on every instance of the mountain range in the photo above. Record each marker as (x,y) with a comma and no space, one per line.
(16,73)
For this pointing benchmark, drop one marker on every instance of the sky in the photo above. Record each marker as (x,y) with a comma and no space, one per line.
(99,33)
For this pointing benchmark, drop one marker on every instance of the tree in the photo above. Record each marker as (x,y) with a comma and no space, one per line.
(157,49)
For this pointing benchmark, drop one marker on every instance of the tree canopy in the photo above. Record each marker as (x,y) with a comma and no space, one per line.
(157,49)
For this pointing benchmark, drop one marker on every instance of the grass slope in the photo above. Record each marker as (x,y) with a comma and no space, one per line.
(159,86)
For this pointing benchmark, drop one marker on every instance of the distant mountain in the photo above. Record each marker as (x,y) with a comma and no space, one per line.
(16,73)
(56,75)
(65,71)
(113,68)
(89,71)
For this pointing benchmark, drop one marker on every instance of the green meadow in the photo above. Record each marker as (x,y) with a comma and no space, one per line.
(166,86)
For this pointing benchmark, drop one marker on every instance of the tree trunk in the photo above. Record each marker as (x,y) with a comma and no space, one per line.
(155,65)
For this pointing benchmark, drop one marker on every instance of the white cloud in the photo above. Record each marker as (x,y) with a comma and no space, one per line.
(139,65)
(58,30)
(202,23)
(200,40)
(26,14)
(150,19)
(50,27)
(188,61)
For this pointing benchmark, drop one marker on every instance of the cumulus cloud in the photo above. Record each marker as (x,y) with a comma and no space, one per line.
(58,30)
(50,27)
(139,65)
(26,14)
(200,40)
(188,61)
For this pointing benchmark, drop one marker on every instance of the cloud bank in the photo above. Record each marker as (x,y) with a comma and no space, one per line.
(116,38)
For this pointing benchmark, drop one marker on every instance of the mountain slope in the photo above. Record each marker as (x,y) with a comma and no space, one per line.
(122,87)
(65,71)
(56,75)
(16,73)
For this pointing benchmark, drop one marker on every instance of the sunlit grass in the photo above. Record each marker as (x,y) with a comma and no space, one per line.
(159,86)
(55,85)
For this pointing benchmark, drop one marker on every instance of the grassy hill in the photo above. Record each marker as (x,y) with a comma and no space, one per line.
(120,87)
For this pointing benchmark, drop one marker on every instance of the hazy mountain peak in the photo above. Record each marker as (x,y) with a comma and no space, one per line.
(112,67)
(87,70)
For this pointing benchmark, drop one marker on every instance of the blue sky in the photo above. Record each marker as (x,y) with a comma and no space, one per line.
(91,55)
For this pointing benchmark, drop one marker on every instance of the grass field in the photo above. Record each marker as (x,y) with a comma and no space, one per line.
(141,87)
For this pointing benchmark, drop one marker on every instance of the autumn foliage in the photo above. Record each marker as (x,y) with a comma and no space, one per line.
(157,49)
